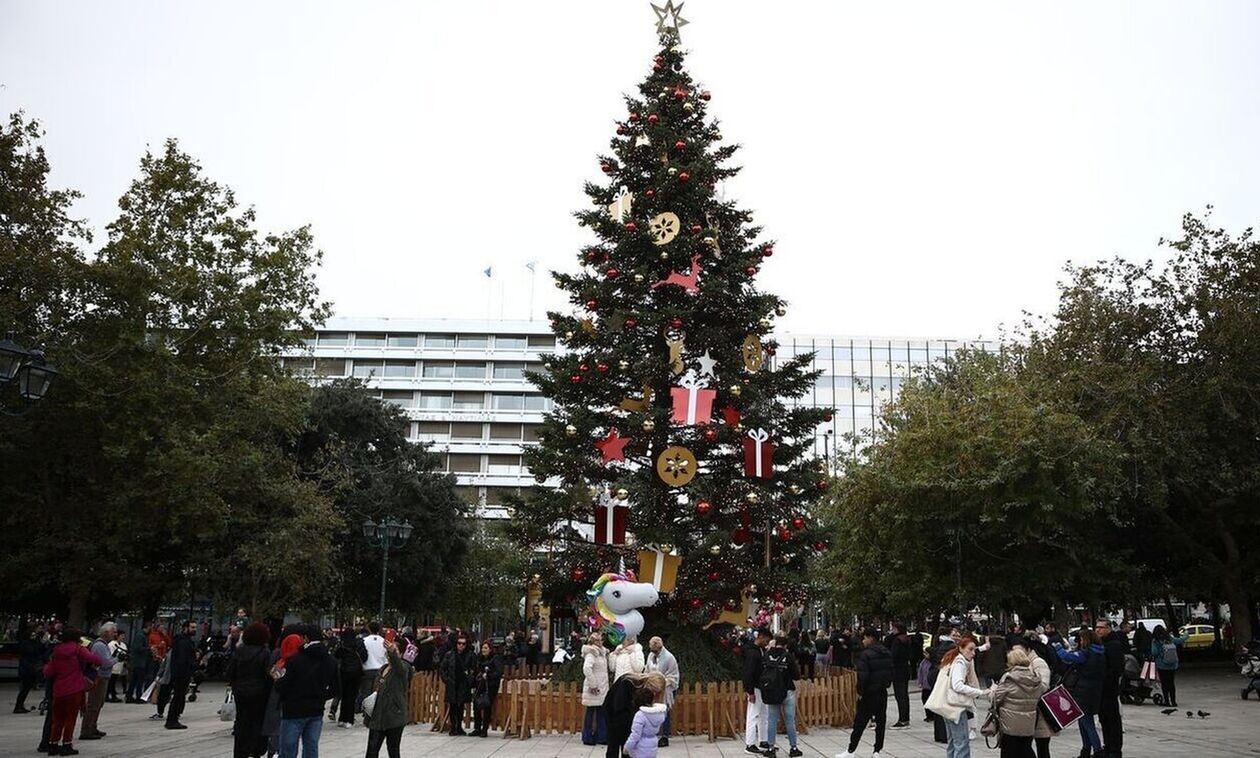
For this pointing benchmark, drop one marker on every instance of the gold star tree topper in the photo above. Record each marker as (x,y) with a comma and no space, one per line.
(669,19)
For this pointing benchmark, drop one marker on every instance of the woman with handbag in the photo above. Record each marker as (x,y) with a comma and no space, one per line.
(248,674)
(1015,699)
(955,693)
(385,710)
(485,689)
(1039,659)
(1085,681)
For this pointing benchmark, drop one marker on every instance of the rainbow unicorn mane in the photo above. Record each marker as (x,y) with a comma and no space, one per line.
(612,629)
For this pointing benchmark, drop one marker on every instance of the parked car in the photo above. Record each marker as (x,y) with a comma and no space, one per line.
(1198,636)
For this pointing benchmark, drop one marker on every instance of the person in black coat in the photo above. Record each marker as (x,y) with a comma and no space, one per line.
(875,674)
(30,665)
(898,645)
(424,652)
(485,688)
(458,667)
(247,675)
(753,652)
(1142,643)
(183,662)
(308,682)
(349,675)
(1115,648)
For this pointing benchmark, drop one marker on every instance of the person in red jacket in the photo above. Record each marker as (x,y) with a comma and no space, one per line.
(63,674)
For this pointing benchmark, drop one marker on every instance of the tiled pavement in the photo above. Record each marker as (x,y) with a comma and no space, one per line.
(1232,729)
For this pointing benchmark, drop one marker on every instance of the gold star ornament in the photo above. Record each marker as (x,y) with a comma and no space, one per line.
(669,20)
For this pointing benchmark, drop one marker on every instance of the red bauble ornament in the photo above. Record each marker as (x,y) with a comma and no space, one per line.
(715,575)
(767,251)
(828,417)
(602,368)
(659,59)
(751,270)
(653,118)
(822,485)
(592,304)
(680,93)
(634,117)
(676,322)
(820,546)
(631,226)
(696,228)
(710,434)
(606,168)
(576,379)
(778,596)
(631,323)
(741,536)
(612,272)
(578,574)
(778,607)
(770,350)
(649,193)
(683,176)
(703,507)
(621,130)
(798,523)
(784,535)
(696,603)
(705,95)
(584,367)
(679,145)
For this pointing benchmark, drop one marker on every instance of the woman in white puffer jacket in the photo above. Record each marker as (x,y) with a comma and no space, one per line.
(627,658)
(594,690)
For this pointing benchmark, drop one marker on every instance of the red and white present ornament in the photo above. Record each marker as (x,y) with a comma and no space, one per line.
(759,454)
(610,521)
(693,403)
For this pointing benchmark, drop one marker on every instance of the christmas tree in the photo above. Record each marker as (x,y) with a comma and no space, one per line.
(673,426)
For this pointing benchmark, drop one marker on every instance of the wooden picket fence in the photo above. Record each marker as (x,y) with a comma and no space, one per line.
(526,706)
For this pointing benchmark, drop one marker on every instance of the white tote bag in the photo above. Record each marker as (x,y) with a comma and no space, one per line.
(939,702)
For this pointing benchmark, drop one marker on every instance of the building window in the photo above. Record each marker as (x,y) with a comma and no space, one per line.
(466,431)
(369,339)
(531,432)
(334,339)
(400,398)
(514,371)
(473,342)
(433,431)
(505,432)
(470,401)
(469,370)
(542,342)
(470,495)
(506,402)
(499,495)
(439,341)
(300,366)
(403,340)
(365,369)
(504,464)
(405,369)
(330,367)
(310,340)
(464,463)
(510,342)
(439,370)
(435,400)
(537,403)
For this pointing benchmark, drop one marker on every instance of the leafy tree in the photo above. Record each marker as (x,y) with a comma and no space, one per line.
(355,448)
(489,582)
(681,264)
(979,489)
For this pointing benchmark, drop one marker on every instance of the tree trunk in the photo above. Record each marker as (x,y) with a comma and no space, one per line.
(77,612)
(1231,582)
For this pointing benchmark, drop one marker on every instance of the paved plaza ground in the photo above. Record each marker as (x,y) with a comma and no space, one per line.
(1233,729)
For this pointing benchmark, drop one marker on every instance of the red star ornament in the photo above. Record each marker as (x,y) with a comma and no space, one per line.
(613,446)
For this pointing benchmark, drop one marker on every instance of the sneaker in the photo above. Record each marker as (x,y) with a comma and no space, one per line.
(901,725)
(846,754)
(752,750)
(795,753)
(176,725)
(156,717)
(971,735)
(99,733)
(770,752)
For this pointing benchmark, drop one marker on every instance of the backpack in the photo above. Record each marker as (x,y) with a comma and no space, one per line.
(409,654)
(1169,654)
(773,681)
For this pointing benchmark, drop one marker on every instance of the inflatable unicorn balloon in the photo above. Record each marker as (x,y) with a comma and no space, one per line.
(615,597)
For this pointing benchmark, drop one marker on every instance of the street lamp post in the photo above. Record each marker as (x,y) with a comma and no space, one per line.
(387,535)
(28,368)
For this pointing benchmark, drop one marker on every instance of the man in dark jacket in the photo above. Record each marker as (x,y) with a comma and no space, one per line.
(898,644)
(1115,648)
(183,662)
(458,671)
(875,674)
(755,717)
(307,683)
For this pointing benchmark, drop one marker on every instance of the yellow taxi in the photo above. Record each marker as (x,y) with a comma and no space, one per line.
(1198,636)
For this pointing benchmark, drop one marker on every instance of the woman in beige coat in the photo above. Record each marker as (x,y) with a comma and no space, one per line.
(1039,666)
(594,690)
(1015,698)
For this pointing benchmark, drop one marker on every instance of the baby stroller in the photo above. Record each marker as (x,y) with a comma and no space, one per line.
(1134,690)
(1249,666)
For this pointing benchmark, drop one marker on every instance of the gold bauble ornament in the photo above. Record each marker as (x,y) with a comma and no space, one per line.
(780,311)
(795,489)
(666,547)
(547,365)
(638,278)
(664,255)
(710,241)
(765,323)
(736,390)
(672,171)
(649,425)
(753,498)
(689,107)
(663,95)
(623,494)
(571,430)
(715,550)
(568,335)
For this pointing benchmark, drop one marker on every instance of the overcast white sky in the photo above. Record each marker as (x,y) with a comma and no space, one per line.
(926,167)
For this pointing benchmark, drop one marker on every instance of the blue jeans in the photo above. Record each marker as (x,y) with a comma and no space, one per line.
(959,745)
(137,680)
(669,712)
(594,726)
(1089,732)
(307,729)
(788,709)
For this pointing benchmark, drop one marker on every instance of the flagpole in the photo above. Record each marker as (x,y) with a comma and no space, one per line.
(489,290)
(533,274)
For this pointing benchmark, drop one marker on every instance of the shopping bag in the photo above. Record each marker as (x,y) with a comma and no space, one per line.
(1060,708)
(227,711)
(147,695)
(1149,672)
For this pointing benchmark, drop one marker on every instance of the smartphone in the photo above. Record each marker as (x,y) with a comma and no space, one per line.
(390,634)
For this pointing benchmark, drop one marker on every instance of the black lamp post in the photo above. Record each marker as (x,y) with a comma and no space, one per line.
(387,535)
(27,367)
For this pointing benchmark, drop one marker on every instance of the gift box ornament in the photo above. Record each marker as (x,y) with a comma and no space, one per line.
(758,454)
(693,403)
(622,204)
(610,521)
(660,568)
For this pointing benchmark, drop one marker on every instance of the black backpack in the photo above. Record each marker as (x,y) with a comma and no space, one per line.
(773,682)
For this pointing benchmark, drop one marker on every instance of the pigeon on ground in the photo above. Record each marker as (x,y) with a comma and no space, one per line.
(1167,711)
(1189,714)
(1204,714)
